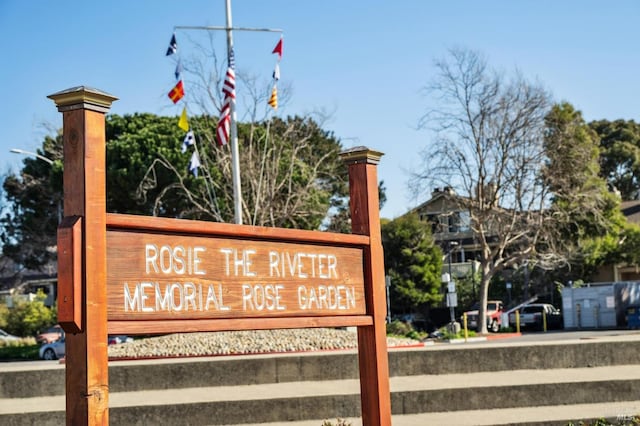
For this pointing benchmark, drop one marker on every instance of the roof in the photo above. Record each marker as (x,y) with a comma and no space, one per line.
(631,210)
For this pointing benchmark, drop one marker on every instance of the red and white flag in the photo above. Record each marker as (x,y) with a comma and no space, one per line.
(229,91)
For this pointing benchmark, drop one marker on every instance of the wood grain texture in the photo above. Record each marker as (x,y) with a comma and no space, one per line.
(372,344)
(87,383)
(154,276)
(70,296)
(190,326)
(194,227)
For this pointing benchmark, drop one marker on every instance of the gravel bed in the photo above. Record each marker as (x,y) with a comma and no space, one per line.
(243,342)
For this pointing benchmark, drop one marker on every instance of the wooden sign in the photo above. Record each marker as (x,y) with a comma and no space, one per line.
(154,276)
(138,275)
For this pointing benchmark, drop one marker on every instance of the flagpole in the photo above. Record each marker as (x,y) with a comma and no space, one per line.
(235,155)
(233,127)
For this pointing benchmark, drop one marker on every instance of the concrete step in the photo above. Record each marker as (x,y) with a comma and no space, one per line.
(559,415)
(44,378)
(450,396)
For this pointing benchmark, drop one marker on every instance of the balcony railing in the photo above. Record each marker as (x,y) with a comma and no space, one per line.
(459,270)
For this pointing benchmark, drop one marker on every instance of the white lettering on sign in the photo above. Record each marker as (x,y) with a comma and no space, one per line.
(176,297)
(258,297)
(338,297)
(302,265)
(173,260)
(241,262)
(249,280)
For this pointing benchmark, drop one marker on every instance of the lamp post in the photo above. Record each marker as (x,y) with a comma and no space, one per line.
(32,154)
(47,160)
(452,299)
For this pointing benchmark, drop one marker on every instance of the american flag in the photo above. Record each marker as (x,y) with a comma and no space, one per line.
(229,91)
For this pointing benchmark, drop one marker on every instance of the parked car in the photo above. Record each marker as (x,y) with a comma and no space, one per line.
(531,316)
(53,350)
(50,335)
(6,336)
(116,340)
(493,314)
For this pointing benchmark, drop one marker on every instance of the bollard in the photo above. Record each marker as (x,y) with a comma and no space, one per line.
(517,321)
(544,320)
(466,330)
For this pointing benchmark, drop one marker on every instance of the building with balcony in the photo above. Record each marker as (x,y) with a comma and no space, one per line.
(451,230)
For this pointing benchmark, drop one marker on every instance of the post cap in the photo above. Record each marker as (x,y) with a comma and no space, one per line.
(361,154)
(82,97)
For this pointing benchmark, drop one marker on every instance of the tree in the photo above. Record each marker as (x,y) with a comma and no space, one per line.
(34,206)
(488,146)
(590,222)
(134,144)
(620,155)
(413,262)
(292,177)
(290,171)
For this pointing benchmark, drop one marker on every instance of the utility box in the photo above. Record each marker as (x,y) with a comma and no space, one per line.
(633,317)
(590,306)
(597,305)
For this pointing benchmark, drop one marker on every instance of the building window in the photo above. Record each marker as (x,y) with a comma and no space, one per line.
(459,222)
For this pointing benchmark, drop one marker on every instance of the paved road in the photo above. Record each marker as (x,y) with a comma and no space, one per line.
(539,336)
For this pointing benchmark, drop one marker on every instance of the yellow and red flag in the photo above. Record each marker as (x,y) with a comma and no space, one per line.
(177,92)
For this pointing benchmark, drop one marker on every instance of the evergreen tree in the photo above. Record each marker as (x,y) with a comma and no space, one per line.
(413,262)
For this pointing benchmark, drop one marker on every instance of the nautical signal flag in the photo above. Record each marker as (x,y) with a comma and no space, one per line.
(177,92)
(273,100)
(194,163)
(173,45)
(278,49)
(229,91)
(189,139)
(276,72)
(183,122)
(178,70)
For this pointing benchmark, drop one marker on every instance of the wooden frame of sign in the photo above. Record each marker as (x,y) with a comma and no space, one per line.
(124,274)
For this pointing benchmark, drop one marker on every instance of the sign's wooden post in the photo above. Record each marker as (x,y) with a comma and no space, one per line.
(372,340)
(87,385)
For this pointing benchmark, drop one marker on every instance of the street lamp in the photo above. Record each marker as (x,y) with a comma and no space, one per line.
(32,154)
(47,160)
(452,246)
(452,299)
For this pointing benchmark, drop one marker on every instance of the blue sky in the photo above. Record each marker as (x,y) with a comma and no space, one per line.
(363,61)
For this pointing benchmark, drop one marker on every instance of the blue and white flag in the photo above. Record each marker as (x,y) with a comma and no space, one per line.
(173,45)
(189,140)
(178,70)
(194,164)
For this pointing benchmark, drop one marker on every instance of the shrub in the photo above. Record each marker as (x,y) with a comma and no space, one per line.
(24,341)
(27,318)
(399,328)
(447,335)
(4,314)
